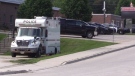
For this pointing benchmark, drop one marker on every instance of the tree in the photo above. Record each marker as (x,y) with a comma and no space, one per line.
(31,8)
(57,3)
(122,3)
(77,9)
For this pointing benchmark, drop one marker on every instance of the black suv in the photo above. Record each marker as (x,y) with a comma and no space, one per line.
(77,27)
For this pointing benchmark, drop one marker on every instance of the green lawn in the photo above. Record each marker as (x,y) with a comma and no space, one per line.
(2,36)
(69,46)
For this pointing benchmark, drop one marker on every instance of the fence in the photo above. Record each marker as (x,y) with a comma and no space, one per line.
(5,43)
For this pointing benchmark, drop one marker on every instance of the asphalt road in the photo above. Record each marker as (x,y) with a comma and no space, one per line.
(119,63)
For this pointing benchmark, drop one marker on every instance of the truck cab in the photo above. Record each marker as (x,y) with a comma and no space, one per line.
(36,36)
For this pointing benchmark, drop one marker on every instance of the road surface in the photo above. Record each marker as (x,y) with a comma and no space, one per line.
(120,63)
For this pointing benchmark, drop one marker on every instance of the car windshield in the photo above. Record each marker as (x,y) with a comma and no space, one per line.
(29,32)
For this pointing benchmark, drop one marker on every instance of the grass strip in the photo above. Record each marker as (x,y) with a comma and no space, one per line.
(2,36)
(68,46)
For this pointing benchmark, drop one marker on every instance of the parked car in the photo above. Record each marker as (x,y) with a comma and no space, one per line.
(102,29)
(133,28)
(123,30)
(77,27)
(112,26)
(94,25)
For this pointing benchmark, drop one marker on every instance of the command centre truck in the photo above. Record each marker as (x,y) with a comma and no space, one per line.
(37,36)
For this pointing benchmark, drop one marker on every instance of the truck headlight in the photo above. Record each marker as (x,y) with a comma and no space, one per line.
(13,44)
(34,43)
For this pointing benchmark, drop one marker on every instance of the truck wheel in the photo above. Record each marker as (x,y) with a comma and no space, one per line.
(31,55)
(83,36)
(38,53)
(89,35)
(13,54)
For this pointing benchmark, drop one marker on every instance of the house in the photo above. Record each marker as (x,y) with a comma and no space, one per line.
(8,12)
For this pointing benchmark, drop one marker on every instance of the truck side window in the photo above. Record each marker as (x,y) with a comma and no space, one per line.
(79,23)
(62,22)
(46,33)
(71,22)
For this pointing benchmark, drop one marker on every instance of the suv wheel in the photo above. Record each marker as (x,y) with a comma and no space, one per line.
(89,35)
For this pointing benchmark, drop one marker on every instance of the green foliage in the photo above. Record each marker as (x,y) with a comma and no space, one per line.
(31,8)
(2,36)
(69,46)
(57,3)
(123,3)
(77,9)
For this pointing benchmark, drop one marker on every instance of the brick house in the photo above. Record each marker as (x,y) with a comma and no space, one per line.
(8,12)
(109,18)
(56,12)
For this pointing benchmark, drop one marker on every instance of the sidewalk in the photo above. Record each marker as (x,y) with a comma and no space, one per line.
(67,59)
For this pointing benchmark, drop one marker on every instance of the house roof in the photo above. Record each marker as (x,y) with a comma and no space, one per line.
(13,1)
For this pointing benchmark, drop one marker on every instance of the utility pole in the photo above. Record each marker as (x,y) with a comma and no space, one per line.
(104,10)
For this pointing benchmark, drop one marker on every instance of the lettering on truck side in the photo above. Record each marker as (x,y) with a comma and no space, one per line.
(29,21)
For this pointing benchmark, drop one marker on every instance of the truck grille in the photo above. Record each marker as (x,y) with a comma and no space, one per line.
(23,42)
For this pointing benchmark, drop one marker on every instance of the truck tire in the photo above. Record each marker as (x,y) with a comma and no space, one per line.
(13,54)
(83,36)
(89,35)
(38,53)
(31,55)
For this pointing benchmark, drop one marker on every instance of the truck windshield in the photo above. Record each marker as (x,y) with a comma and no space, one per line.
(29,32)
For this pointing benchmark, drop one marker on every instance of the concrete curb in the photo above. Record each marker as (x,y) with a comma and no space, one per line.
(95,55)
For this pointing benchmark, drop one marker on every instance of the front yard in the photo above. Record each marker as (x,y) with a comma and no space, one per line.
(68,46)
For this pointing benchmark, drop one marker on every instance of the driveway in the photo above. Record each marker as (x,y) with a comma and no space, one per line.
(107,38)
(5,61)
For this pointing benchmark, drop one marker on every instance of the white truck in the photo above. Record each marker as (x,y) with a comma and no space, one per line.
(37,36)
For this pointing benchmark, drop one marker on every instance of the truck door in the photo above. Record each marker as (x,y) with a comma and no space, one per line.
(43,40)
(63,25)
(70,26)
(79,29)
